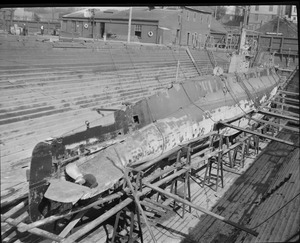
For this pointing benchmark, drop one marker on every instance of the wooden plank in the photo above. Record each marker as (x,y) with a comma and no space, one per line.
(284,112)
(162,205)
(276,124)
(258,134)
(286,98)
(153,207)
(288,92)
(88,227)
(14,210)
(37,231)
(278,115)
(284,104)
(177,198)
(56,217)
(72,224)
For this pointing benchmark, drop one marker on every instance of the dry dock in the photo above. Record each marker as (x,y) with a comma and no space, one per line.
(263,195)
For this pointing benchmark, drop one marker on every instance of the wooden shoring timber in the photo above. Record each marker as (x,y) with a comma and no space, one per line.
(137,201)
(153,207)
(284,104)
(16,221)
(53,218)
(72,224)
(278,96)
(276,124)
(278,115)
(93,224)
(172,151)
(288,92)
(36,231)
(14,210)
(177,198)
(258,134)
(284,112)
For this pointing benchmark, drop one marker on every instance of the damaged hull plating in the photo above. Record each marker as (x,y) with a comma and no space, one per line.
(159,123)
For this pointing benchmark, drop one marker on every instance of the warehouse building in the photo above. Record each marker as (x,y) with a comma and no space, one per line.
(173,25)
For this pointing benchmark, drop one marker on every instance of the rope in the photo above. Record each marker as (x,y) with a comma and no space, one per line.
(244,87)
(264,221)
(195,103)
(235,99)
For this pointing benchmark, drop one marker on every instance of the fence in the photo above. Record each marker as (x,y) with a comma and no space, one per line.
(278,44)
(33,26)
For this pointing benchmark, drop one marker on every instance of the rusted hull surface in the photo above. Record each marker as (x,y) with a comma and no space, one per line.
(180,114)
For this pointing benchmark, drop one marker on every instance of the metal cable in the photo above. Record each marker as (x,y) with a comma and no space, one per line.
(235,99)
(264,221)
(192,102)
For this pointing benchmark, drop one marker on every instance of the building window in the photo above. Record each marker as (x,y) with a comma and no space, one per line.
(188,38)
(256,8)
(138,31)
(200,38)
(271,8)
(294,9)
(187,15)
(195,39)
(256,17)
(195,16)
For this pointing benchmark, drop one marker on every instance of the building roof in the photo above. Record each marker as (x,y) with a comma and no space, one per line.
(84,14)
(146,14)
(165,17)
(287,28)
(203,9)
(217,26)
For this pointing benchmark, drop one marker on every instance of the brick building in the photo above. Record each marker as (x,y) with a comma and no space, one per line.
(260,14)
(173,25)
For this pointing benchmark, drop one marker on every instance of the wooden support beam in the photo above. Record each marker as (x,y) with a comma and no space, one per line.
(9,230)
(36,231)
(286,98)
(288,92)
(137,201)
(284,112)
(172,151)
(158,204)
(276,124)
(53,218)
(72,224)
(258,134)
(284,104)
(88,227)
(14,210)
(179,199)
(153,207)
(278,115)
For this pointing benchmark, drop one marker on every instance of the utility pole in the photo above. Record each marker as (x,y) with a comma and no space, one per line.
(129,24)
(93,21)
(243,30)
(216,12)
(279,10)
(11,17)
